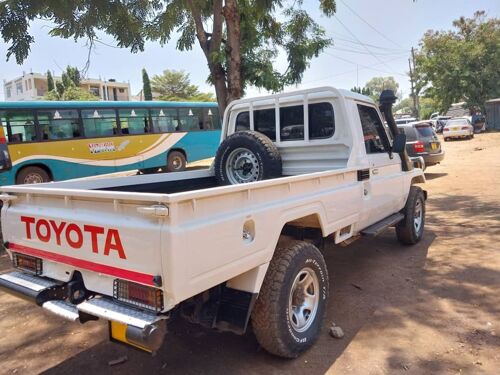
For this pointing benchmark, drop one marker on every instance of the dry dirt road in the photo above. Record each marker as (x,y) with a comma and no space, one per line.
(429,309)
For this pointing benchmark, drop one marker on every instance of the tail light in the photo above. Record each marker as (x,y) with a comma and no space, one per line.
(418,146)
(3,140)
(465,128)
(446,129)
(138,295)
(27,263)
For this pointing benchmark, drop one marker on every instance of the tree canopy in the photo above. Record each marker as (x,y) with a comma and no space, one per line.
(240,39)
(173,85)
(461,64)
(376,85)
(68,87)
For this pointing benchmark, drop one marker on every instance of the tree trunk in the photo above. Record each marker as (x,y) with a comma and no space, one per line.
(234,82)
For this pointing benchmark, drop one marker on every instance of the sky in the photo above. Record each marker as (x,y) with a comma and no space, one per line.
(370,38)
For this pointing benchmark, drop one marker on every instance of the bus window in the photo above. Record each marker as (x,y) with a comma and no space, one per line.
(99,122)
(211,119)
(190,119)
(134,121)
(22,125)
(59,124)
(165,120)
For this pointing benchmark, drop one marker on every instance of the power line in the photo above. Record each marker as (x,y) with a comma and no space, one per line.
(364,46)
(345,39)
(366,53)
(371,67)
(372,27)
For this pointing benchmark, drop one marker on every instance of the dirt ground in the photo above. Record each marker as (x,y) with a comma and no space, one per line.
(429,309)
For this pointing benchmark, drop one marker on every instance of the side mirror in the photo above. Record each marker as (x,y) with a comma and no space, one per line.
(399,144)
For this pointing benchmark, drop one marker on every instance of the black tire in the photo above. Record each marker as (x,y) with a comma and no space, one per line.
(445,139)
(32,175)
(406,230)
(149,170)
(260,151)
(176,161)
(274,328)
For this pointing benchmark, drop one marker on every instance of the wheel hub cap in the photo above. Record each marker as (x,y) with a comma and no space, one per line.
(304,300)
(242,166)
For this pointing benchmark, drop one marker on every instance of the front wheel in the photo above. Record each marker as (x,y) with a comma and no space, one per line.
(289,311)
(411,229)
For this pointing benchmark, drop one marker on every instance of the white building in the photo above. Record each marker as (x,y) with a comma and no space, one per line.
(33,86)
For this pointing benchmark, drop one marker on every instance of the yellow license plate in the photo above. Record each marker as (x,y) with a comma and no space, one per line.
(455,128)
(434,146)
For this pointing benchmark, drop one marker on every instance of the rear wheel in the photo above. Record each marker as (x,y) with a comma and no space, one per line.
(32,175)
(289,311)
(176,161)
(445,139)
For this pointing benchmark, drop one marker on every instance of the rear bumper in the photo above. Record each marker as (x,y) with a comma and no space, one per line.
(432,159)
(457,133)
(143,329)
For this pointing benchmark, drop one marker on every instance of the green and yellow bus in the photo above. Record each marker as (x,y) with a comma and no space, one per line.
(52,141)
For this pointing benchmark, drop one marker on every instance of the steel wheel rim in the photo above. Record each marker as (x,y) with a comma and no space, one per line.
(418,216)
(33,178)
(303,301)
(242,166)
(177,162)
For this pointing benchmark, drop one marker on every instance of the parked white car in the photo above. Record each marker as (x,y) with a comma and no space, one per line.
(224,246)
(458,128)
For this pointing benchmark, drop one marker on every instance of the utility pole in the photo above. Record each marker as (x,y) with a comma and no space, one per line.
(412,88)
(416,98)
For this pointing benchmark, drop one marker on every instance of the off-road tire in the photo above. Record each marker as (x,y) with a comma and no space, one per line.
(174,156)
(406,232)
(37,173)
(445,139)
(266,152)
(270,318)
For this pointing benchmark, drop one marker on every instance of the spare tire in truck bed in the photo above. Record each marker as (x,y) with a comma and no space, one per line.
(246,156)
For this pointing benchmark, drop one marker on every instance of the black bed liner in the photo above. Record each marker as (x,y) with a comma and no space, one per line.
(168,187)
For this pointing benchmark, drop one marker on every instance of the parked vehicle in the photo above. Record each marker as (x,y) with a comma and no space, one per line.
(478,121)
(131,250)
(405,120)
(438,122)
(422,140)
(53,141)
(458,128)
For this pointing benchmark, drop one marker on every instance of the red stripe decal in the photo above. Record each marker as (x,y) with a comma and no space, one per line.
(85,264)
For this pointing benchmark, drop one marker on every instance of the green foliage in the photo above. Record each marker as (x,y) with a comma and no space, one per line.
(241,47)
(427,107)
(146,86)
(376,85)
(50,81)
(404,106)
(68,88)
(173,85)
(461,64)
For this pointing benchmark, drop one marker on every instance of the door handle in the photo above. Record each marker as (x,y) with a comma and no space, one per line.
(375,171)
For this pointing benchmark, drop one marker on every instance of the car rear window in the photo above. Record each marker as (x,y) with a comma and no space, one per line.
(409,132)
(425,130)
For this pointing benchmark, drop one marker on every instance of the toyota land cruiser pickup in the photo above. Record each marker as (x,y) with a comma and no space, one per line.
(228,246)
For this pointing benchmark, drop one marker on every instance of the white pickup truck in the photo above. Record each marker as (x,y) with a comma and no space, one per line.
(224,247)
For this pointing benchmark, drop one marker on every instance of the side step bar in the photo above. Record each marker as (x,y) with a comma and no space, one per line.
(377,228)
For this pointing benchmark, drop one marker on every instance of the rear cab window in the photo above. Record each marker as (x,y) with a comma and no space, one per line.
(424,131)
(321,121)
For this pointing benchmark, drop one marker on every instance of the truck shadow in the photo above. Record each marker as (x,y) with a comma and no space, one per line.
(364,277)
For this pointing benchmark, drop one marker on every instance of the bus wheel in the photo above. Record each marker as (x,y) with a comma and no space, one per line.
(32,175)
(176,161)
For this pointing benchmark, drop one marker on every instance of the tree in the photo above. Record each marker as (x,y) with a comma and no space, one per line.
(50,81)
(175,85)
(146,86)
(376,85)
(68,88)
(461,64)
(240,39)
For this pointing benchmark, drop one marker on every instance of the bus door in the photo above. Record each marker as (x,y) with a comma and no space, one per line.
(5,161)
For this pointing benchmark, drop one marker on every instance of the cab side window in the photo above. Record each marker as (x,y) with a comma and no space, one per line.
(373,129)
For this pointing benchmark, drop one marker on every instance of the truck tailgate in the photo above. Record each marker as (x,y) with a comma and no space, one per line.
(103,239)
